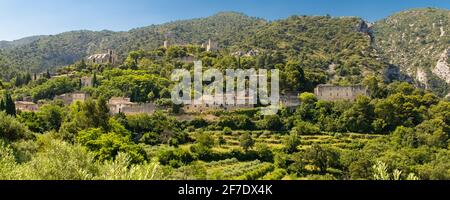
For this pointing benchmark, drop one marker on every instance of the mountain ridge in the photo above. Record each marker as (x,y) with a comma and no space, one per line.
(235,31)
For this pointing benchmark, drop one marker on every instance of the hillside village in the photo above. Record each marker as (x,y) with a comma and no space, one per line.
(82,105)
(126,106)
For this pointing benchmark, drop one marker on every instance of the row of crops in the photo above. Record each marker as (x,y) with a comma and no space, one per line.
(252,170)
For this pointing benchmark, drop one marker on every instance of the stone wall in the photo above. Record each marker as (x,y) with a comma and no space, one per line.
(340,93)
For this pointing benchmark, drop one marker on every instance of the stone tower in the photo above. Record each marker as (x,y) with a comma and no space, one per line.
(211,46)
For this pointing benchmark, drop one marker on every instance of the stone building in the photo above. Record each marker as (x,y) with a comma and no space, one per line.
(87,81)
(73,97)
(208,104)
(290,100)
(340,93)
(167,44)
(104,58)
(124,105)
(211,45)
(26,106)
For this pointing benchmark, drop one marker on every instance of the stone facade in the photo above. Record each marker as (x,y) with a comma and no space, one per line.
(167,44)
(250,53)
(124,105)
(290,101)
(87,81)
(105,58)
(73,97)
(207,104)
(212,46)
(340,93)
(26,106)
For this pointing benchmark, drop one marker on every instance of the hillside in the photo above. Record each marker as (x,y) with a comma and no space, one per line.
(338,46)
(418,42)
(66,48)
(19,42)
(415,41)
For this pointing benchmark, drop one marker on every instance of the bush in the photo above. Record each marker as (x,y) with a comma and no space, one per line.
(257,173)
(306,128)
(227,131)
(11,129)
(175,158)
(106,146)
(278,174)
(59,161)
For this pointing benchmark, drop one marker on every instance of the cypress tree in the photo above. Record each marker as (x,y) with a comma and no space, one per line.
(27,78)
(10,107)
(2,105)
(94,80)
(48,75)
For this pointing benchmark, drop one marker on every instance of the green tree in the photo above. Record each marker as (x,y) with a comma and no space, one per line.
(246,141)
(52,116)
(292,142)
(11,129)
(10,106)
(294,76)
(322,157)
(205,140)
(221,140)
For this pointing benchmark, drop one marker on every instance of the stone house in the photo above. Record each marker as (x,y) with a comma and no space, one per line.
(207,104)
(340,93)
(124,105)
(104,58)
(87,81)
(73,97)
(289,100)
(26,106)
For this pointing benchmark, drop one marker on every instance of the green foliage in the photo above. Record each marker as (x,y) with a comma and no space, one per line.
(53,87)
(322,157)
(246,141)
(11,129)
(292,142)
(136,86)
(175,158)
(271,122)
(85,115)
(227,131)
(156,129)
(8,104)
(411,31)
(106,146)
(236,122)
(305,128)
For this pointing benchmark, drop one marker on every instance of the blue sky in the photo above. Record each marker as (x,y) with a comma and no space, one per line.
(20,18)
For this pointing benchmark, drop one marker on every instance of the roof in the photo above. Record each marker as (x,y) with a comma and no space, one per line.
(99,56)
(330,85)
(120,100)
(25,102)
